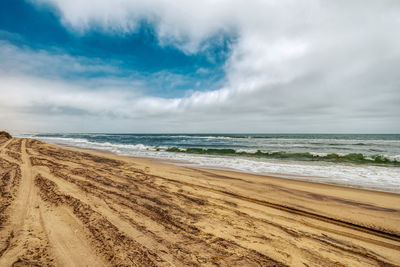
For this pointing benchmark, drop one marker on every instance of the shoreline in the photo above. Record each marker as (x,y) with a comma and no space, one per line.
(78,207)
(183,163)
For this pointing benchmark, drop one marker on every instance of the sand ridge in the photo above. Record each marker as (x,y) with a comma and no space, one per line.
(65,207)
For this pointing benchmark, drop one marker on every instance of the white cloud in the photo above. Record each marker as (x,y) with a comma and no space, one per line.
(42,63)
(306,65)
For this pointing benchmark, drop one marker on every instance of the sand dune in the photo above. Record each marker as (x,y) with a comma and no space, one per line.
(64,207)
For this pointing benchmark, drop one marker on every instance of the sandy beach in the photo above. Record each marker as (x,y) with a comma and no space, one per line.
(68,207)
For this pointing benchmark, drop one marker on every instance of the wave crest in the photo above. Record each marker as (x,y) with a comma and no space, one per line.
(356,158)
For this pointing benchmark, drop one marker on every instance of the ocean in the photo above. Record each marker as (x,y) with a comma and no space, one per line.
(370,161)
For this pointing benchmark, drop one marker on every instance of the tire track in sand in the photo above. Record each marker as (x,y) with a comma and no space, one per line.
(68,244)
(28,245)
(36,232)
(3,145)
(64,232)
(102,206)
(88,209)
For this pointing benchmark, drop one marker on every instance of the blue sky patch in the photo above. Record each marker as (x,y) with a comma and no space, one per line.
(134,55)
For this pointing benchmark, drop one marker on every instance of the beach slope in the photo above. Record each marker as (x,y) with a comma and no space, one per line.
(66,207)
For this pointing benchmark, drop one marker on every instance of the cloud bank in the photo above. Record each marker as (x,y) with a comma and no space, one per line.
(309,66)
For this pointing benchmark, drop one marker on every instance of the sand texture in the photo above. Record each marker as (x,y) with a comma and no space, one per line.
(65,207)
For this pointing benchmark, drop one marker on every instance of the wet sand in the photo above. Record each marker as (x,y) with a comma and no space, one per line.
(68,207)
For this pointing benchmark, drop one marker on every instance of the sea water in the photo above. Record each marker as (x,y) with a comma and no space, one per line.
(370,161)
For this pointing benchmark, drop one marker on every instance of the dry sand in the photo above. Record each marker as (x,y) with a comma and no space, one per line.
(65,207)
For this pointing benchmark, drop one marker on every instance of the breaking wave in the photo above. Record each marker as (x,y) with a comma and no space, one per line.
(356,158)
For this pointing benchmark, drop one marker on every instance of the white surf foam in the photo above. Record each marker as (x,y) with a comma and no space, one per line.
(362,176)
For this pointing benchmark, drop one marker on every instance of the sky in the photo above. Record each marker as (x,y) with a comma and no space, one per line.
(211,66)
